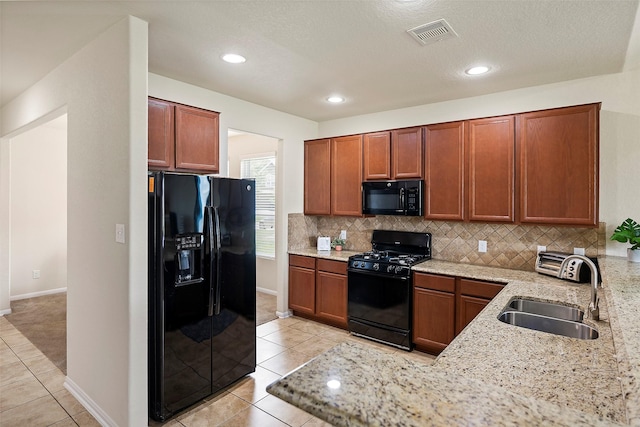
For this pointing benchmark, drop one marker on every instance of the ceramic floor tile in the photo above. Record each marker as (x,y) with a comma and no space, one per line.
(21,392)
(314,347)
(13,339)
(53,380)
(7,357)
(253,388)
(43,411)
(26,351)
(284,411)
(14,372)
(316,422)
(335,334)
(269,327)
(288,337)
(85,419)
(39,364)
(285,362)
(214,413)
(311,327)
(67,422)
(266,350)
(68,402)
(253,417)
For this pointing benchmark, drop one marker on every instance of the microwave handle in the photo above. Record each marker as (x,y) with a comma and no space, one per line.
(402,206)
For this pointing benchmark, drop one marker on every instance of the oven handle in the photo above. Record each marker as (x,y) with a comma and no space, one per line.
(377,274)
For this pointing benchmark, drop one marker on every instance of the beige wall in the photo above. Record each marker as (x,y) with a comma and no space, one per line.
(243,145)
(619,130)
(39,210)
(103,89)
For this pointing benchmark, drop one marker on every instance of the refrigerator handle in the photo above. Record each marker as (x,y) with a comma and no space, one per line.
(211,245)
(216,245)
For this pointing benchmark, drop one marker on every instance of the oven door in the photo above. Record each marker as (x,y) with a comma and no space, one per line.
(379,306)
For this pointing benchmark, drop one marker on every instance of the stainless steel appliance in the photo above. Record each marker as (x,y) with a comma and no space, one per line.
(576,270)
(379,285)
(202,287)
(392,198)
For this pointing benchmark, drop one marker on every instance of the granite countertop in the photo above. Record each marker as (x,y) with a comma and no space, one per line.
(493,373)
(332,254)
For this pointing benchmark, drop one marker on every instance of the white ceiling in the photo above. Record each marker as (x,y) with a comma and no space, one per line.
(299,52)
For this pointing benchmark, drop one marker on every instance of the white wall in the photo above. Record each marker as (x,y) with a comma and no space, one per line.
(39,210)
(104,90)
(619,130)
(243,145)
(291,131)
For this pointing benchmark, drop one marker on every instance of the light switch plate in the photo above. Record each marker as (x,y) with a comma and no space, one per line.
(36,274)
(120,237)
(542,248)
(578,251)
(343,234)
(482,246)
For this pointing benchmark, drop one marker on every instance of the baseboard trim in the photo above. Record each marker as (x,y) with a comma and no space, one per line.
(88,403)
(284,314)
(38,294)
(5,312)
(267,291)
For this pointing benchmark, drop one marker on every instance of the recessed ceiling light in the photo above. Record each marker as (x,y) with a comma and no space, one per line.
(335,99)
(233,58)
(477,70)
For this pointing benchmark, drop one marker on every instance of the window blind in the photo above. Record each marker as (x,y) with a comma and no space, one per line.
(262,168)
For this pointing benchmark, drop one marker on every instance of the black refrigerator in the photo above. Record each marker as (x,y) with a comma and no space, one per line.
(202,287)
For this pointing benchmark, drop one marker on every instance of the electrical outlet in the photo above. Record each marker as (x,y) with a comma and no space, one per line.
(482,246)
(578,251)
(343,234)
(36,274)
(542,248)
(120,238)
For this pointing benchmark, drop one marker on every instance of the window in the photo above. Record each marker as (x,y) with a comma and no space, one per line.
(262,168)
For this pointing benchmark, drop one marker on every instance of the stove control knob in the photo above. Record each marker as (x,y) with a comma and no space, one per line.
(376,266)
(362,264)
(390,269)
(398,269)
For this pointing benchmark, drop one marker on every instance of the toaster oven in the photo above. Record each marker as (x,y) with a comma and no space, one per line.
(576,270)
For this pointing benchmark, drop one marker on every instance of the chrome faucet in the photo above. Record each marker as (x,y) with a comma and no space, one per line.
(594,310)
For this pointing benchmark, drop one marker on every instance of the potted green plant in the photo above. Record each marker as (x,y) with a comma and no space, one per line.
(338,243)
(629,231)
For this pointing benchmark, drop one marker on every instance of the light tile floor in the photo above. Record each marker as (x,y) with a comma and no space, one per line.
(32,392)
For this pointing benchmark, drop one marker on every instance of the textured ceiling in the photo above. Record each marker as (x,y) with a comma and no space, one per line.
(300,52)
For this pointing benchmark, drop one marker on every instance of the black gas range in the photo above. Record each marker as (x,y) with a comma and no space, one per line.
(380,286)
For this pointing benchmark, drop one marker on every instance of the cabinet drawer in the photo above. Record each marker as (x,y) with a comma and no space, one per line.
(302,261)
(480,289)
(432,281)
(330,266)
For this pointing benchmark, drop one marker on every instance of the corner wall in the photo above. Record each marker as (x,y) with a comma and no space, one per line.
(104,89)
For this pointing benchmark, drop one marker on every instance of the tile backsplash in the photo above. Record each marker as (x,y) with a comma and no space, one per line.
(508,245)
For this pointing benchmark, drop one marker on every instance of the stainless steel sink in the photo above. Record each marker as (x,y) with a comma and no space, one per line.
(550,317)
(549,309)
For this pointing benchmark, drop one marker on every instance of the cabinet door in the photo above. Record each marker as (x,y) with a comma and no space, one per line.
(161,135)
(197,133)
(491,171)
(302,290)
(468,308)
(433,319)
(558,155)
(377,156)
(444,171)
(331,298)
(346,176)
(406,153)
(317,177)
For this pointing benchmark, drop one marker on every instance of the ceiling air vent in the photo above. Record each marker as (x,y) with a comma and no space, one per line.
(432,32)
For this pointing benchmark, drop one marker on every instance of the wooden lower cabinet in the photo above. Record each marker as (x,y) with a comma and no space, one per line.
(444,305)
(318,289)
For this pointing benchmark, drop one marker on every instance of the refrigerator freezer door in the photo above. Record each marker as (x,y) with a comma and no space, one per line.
(180,330)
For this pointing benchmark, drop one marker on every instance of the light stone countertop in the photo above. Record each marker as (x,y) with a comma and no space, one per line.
(332,254)
(493,373)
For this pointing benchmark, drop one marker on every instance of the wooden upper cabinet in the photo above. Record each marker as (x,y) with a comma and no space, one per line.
(346,176)
(317,177)
(406,153)
(444,171)
(197,133)
(161,142)
(491,169)
(182,138)
(376,149)
(558,160)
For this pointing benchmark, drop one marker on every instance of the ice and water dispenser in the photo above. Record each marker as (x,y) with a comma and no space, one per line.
(189,258)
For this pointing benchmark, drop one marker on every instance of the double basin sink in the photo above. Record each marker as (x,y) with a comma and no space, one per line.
(549,317)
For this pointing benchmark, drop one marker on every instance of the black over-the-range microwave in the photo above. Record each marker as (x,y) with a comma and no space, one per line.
(392,197)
